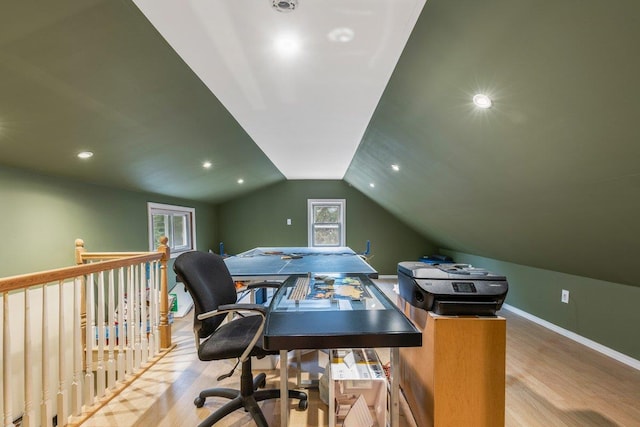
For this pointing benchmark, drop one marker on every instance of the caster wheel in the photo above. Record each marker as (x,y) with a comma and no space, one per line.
(262,383)
(199,402)
(303,404)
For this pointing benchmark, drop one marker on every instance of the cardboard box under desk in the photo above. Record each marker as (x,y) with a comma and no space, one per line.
(356,373)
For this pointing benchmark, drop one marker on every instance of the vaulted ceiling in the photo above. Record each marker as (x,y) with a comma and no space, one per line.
(548,177)
(303,83)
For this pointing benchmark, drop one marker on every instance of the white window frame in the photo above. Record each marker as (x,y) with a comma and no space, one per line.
(173,210)
(342,203)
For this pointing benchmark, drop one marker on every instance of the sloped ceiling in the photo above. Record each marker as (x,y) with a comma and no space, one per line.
(548,177)
(95,75)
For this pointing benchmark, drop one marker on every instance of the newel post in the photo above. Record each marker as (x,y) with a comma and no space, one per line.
(164,327)
(80,249)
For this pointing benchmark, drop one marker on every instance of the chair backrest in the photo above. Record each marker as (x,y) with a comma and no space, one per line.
(208,281)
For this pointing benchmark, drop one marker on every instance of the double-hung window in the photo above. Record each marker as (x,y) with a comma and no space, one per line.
(178,223)
(327,222)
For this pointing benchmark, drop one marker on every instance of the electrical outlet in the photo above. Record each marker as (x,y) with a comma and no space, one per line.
(288,221)
(565,296)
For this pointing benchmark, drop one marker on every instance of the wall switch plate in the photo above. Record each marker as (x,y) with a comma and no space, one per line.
(565,296)
(288,221)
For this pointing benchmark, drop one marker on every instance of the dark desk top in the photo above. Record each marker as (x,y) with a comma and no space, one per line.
(351,312)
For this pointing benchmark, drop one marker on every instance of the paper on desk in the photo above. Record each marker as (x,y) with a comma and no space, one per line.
(349,359)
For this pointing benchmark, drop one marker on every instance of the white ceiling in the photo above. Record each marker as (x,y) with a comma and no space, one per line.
(307,109)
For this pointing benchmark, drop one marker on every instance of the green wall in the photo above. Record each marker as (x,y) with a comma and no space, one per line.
(41,216)
(259,219)
(601,311)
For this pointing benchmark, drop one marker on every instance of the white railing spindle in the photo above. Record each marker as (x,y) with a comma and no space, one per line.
(27,418)
(89,338)
(100,372)
(76,388)
(152,309)
(111,329)
(144,351)
(6,361)
(62,416)
(121,333)
(156,305)
(128,321)
(45,406)
(136,317)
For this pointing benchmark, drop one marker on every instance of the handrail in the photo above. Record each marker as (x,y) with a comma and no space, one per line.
(12,283)
(109,255)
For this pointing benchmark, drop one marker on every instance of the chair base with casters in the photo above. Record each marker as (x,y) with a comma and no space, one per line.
(247,397)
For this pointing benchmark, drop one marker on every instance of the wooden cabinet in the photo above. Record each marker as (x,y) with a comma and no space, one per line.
(457,377)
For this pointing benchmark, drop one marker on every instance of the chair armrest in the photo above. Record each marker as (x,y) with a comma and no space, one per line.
(264,284)
(244,307)
(232,308)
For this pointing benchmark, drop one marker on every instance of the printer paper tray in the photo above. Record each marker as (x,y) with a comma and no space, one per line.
(456,308)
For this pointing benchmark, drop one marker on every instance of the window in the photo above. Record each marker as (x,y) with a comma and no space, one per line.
(178,223)
(327,222)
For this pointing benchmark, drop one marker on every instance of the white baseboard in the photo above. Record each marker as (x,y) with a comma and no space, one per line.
(620,357)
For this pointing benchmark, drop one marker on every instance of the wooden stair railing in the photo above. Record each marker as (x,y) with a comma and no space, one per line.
(82,257)
(74,337)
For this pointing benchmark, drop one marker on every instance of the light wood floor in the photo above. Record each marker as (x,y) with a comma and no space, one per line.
(551,381)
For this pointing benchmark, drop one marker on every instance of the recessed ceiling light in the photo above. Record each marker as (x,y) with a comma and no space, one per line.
(241,181)
(207,164)
(395,167)
(341,35)
(85,154)
(482,101)
(287,44)
(372,185)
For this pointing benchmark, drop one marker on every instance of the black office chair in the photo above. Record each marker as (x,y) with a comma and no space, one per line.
(208,281)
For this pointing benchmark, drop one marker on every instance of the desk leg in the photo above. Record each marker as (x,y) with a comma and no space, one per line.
(332,395)
(394,406)
(284,388)
(299,368)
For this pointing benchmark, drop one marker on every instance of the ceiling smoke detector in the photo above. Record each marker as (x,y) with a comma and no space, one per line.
(284,5)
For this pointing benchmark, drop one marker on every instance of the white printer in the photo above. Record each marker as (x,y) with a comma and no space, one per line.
(451,289)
